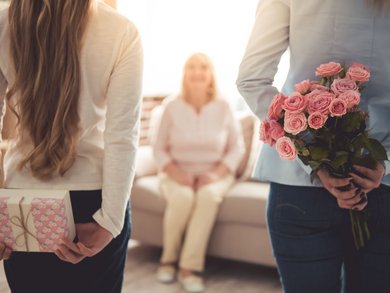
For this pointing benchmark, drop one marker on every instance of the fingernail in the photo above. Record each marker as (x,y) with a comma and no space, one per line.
(363,197)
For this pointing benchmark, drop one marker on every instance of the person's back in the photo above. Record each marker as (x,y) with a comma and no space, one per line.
(310,223)
(102,45)
(316,32)
(72,71)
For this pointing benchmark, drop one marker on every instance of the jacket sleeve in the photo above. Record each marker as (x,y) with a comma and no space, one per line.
(268,41)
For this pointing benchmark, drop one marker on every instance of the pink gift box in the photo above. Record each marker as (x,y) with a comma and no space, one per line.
(35,220)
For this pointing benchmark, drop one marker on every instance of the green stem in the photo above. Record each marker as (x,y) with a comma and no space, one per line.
(355,240)
(359,230)
(366,229)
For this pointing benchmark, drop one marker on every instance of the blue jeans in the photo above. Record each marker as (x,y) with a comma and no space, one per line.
(313,245)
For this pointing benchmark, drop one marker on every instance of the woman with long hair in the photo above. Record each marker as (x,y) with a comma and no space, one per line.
(309,223)
(71,72)
(198,148)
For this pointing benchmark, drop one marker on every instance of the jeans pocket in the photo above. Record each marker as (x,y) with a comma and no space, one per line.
(309,207)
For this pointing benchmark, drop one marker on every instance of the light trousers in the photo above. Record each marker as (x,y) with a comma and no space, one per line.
(188,220)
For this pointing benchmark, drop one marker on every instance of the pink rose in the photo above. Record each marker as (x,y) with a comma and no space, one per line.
(352,98)
(276,131)
(270,131)
(264,132)
(295,103)
(295,123)
(328,69)
(303,87)
(275,108)
(317,120)
(341,85)
(286,148)
(315,85)
(319,101)
(338,107)
(358,72)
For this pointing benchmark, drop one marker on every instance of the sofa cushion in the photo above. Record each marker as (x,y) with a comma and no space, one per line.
(146,195)
(243,204)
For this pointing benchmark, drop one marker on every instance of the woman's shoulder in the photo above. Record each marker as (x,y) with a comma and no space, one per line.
(221,103)
(172,103)
(112,21)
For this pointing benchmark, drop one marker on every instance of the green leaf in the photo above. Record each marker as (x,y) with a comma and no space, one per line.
(376,150)
(340,159)
(351,122)
(318,153)
(314,165)
(359,142)
(305,152)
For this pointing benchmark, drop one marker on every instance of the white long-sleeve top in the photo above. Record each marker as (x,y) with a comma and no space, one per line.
(111,64)
(197,142)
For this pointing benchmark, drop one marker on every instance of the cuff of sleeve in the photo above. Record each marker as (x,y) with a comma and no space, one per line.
(104,221)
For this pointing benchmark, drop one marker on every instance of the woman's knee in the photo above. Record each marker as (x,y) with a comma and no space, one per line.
(183,196)
(209,194)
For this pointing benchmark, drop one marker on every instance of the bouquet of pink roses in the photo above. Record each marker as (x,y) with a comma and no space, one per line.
(322,125)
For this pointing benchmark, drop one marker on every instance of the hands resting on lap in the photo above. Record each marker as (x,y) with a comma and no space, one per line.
(196,181)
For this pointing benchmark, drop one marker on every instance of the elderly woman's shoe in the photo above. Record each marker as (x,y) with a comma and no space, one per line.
(166,273)
(192,283)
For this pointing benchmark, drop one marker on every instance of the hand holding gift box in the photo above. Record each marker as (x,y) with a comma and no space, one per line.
(35,220)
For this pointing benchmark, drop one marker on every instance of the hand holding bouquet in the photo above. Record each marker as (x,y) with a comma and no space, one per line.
(321,124)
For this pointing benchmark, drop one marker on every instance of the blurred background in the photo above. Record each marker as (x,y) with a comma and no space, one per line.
(173,29)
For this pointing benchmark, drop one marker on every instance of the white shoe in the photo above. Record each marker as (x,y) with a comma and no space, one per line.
(192,283)
(166,273)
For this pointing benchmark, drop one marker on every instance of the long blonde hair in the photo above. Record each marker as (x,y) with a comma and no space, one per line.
(204,59)
(45,44)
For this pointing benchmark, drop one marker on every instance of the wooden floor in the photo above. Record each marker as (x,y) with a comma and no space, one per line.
(221,275)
